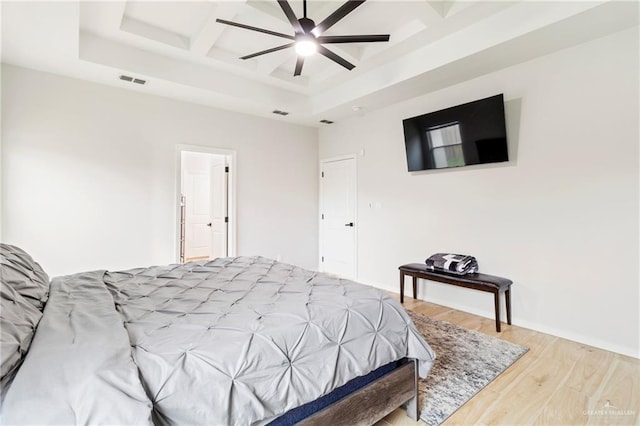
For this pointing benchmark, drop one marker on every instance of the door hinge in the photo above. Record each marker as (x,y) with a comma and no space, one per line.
(226,220)
(322,174)
(323,216)
(226,169)
(322,258)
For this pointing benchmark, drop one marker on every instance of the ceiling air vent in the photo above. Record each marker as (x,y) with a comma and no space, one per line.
(132,80)
(277,111)
(326,121)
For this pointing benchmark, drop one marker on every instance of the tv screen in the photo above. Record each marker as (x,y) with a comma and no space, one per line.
(472,133)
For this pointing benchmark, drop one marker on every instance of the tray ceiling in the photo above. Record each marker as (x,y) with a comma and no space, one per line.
(182,53)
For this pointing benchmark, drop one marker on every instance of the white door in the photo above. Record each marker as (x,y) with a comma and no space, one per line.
(219,219)
(338,211)
(206,225)
(196,191)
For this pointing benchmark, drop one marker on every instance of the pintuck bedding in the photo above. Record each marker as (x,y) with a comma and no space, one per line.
(23,288)
(229,341)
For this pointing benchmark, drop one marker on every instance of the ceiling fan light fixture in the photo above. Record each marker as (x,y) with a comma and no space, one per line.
(307,38)
(306,46)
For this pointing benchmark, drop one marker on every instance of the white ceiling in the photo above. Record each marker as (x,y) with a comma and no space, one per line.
(184,54)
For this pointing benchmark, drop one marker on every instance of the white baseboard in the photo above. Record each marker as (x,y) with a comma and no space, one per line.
(565,334)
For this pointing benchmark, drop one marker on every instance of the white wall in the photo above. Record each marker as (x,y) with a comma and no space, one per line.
(560,219)
(89,175)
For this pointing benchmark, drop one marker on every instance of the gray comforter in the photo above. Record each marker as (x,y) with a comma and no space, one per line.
(229,341)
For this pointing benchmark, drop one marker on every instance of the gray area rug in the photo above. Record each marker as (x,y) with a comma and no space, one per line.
(466,361)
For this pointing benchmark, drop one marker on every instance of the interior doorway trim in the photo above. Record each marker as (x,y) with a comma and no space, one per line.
(324,161)
(231,202)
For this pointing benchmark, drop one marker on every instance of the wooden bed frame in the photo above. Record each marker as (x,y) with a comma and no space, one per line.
(374,401)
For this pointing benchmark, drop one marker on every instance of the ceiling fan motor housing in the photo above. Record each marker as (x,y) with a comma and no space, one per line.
(307,25)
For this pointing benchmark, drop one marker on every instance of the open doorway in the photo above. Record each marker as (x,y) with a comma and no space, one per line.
(206,225)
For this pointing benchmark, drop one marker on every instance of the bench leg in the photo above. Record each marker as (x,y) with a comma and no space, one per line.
(507,297)
(415,285)
(401,287)
(496,299)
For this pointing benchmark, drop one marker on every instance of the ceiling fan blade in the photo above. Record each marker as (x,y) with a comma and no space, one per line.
(299,64)
(260,30)
(369,38)
(286,8)
(335,58)
(340,13)
(263,52)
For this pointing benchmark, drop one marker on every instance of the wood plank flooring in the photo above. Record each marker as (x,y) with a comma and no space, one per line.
(558,382)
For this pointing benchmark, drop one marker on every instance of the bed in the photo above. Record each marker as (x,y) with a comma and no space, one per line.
(238,341)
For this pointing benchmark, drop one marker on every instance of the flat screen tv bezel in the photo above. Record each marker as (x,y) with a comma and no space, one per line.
(501,123)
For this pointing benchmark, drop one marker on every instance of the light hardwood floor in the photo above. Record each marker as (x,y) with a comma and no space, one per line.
(558,382)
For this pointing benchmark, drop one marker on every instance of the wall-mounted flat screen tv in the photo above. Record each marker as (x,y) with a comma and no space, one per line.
(472,133)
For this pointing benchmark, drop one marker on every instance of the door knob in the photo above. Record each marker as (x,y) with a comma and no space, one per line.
(349,224)
(209,224)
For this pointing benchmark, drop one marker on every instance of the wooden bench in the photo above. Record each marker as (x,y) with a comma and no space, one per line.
(482,282)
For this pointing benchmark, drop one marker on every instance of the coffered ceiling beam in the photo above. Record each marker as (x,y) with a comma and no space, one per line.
(203,41)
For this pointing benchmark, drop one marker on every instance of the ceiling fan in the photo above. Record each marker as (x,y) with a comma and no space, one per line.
(308,38)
